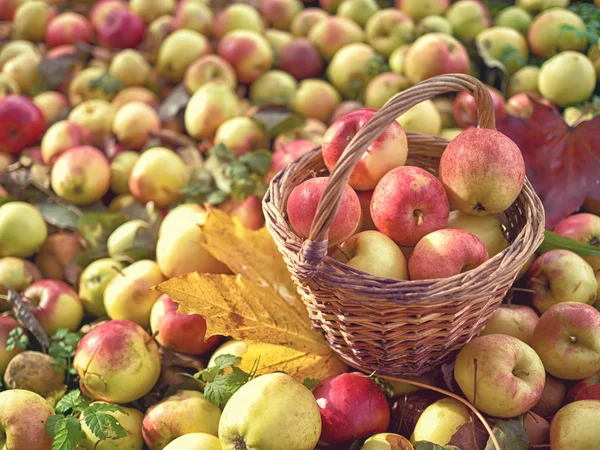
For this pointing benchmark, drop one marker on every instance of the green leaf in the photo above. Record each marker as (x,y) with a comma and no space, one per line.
(424,445)
(258,161)
(5,199)
(225,361)
(553,241)
(17,339)
(311,383)
(65,431)
(217,391)
(511,435)
(277,119)
(60,216)
(385,386)
(236,379)
(104,425)
(95,227)
(72,400)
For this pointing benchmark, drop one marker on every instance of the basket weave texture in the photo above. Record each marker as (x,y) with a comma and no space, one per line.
(397,327)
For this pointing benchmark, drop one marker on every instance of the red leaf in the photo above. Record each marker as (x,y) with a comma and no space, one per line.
(563,162)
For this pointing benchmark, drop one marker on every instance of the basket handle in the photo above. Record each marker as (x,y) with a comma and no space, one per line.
(314,249)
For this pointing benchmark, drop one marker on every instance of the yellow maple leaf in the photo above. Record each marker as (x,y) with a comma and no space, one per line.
(273,329)
(252,254)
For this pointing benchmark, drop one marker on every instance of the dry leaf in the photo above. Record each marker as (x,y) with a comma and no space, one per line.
(274,330)
(252,254)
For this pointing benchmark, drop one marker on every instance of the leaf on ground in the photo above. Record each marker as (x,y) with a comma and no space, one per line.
(24,315)
(54,71)
(73,400)
(277,119)
(424,445)
(276,334)
(60,216)
(95,227)
(563,162)
(174,103)
(252,254)
(511,436)
(311,383)
(554,241)
(470,436)
(101,424)
(66,432)
(170,358)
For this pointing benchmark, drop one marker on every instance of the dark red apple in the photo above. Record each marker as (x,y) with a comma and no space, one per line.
(121,28)
(101,9)
(351,406)
(465,112)
(8,8)
(588,389)
(22,122)
(301,59)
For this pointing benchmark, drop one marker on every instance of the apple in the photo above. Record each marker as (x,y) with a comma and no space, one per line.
(15,48)
(482,171)
(68,28)
(468,18)
(433,24)
(31,20)
(7,324)
(183,333)
(209,68)
(274,87)
(237,16)
(587,389)
(35,372)
(231,347)
(422,118)
(574,427)
(95,115)
(329,5)
(561,276)
(524,80)
(567,338)
(552,397)
(278,38)
(284,155)
(512,320)
(248,52)
(26,431)
(8,86)
(55,305)
(465,111)
(8,8)
(122,241)
(521,105)
(128,295)
(130,419)
(117,361)
(180,49)
(344,108)
(387,152)
(352,68)
(397,58)
(23,124)
(316,99)
(120,28)
(101,9)
(81,175)
(279,13)
(537,429)
(547,37)
(209,107)
(135,94)
(23,70)
(445,253)
(179,249)
(134,123)
(387,441)
(487,228)
(249,212)
(417,9)
(179,414)
(18,274)
(301,59)
(514,17)
(573,116)
(495,40)
(584,228)
(351,406)
(57,255)
(332,33)
(152,9)
(241,135)
(130,67)
(409,203)
(22,230)
(158,176)
(92,284)
(383,87)
(80,88)
(303,22)
(194,16)
(312,130)
(62,136)
(359,11)
(440,420)
(559,71)
(504,372)
(120,171)
(302,207)
(435,54)
(375,253)
(193,441)
(389,29)
(594,55)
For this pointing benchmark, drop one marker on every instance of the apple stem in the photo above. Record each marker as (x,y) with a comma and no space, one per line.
(573,339)
(531,291)
(419,215)
(342,252)
(118,270)
(521,371)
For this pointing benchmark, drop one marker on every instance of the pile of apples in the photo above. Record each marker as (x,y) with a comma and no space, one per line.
(86,90)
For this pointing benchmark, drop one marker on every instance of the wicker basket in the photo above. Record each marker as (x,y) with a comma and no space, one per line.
(389,326)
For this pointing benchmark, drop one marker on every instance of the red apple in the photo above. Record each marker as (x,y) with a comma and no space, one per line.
(435,54)
(344,108)
(284,155)
(183,333)
(409,203)
(55,305)
(465,112)
(249,212)
(279,13)
(8,8)
(513,320)
(387,152)
(22,121)
(588,389)
(584,228)
(302,207)
(351,406)
(445,253)
(237,16)
(301,59)
(248,52)
(69,28)
(121,28)
(102,8)
(305,20)
(313,130)
(62,136)
(58,254)
(23,419)
(7,324)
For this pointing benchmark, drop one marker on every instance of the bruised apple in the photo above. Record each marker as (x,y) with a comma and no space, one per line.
(387,152)
(302,207)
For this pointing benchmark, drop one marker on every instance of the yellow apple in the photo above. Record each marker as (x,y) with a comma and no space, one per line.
(195,441)
(575,427)
(487,228)
(440,420)
(422,118)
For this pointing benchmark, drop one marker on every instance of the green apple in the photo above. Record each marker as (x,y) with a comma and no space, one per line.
(440,420)
(316,99)
(433,24)
(134,123)
(232,347)
(93,282)
(496,40)
(396,60)
(524,80)
(122,242)
(389,29)
(180,49)
(383,87)
(242,135)
(514,17)
(557,74)
(18,274)
(211,105)
(387,441)
(351,69)
(487,228)
(22,230)
(360,11)
(333,33)
(468,18)
(130,67)
(547,35)
(275,87)
(195,441)
(120,170)
(422,118)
